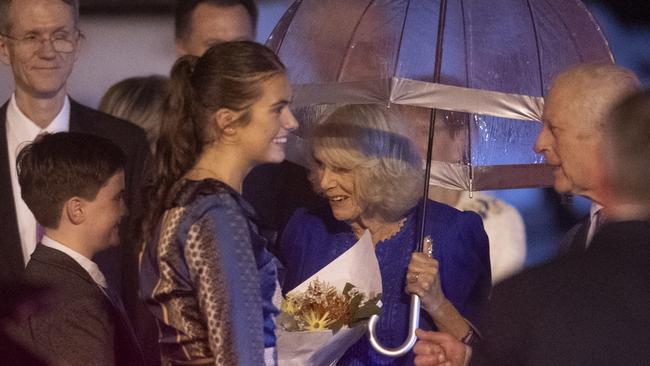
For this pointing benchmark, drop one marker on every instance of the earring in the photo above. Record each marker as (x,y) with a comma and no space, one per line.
(229,131)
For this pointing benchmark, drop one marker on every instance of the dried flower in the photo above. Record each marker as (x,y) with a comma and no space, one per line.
(316,322)
(322,307)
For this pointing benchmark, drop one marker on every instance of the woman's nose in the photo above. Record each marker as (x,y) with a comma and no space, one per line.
(327,179)
(289,121)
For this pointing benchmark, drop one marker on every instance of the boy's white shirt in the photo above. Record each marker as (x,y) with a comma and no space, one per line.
(87,264)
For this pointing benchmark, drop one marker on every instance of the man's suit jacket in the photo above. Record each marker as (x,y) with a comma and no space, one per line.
(81,326)
(574,242)
(119,265)
(592,309)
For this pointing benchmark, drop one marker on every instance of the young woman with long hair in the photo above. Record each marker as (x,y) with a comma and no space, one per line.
(205,272)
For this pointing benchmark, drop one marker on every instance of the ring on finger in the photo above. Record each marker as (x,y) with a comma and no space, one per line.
(413,277)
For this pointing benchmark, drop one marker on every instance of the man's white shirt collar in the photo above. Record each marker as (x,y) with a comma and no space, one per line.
(87,264)
(595,208)
(25,130)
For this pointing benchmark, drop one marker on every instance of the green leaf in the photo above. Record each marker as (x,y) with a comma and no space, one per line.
(347,288)
(368,309)
(336,326)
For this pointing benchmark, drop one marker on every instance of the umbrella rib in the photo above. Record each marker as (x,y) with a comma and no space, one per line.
(539,54)
(436,79)
(467,84)
(352,37)
(291,12)
(401,37)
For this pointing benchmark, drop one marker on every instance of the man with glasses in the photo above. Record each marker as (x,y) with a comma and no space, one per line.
(40,41)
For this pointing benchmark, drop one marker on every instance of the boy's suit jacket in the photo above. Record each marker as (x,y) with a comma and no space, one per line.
(80,326)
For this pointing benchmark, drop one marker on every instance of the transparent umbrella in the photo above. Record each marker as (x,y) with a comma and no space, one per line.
(468,75)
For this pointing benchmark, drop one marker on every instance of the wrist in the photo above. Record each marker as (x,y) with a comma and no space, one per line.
(437,309)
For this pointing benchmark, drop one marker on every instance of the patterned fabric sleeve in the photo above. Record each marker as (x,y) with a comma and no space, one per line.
(222,267)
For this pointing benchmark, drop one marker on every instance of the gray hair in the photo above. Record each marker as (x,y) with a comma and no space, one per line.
(368,140)
(5,5)
(596,87)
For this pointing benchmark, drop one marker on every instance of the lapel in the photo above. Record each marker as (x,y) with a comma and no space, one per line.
(11,254)
(579,241)
(574,241)
(77,122)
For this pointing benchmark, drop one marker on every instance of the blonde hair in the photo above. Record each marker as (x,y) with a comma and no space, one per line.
(138,100)
(368,141)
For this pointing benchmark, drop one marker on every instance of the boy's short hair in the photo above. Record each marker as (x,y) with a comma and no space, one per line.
(57,167)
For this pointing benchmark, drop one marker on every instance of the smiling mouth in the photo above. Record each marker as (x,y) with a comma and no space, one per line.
(280,140)
(337,199)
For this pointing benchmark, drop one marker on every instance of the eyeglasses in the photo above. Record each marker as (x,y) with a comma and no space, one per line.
(62,42)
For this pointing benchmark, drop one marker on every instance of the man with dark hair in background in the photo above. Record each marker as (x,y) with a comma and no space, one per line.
(200,24)
(40,41)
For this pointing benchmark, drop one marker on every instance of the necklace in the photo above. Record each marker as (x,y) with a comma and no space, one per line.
(390,231)
(385,231)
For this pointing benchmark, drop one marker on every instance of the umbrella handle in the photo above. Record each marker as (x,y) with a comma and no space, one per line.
(414,322)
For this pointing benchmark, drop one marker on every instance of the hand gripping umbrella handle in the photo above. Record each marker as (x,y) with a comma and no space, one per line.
(414,322)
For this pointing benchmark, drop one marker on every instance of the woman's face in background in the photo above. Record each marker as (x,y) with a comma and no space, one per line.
(264,139)
(338,186)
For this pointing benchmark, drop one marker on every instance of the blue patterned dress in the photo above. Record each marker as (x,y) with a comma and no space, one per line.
(313,238)
(208,278)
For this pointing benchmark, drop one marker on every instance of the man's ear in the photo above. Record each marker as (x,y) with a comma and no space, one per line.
(4,51)
(75,211)
(78,47)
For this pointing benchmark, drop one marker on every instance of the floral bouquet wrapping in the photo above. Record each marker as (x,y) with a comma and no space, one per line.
(327,313)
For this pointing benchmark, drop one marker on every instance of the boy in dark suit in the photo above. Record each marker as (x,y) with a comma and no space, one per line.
(74,185)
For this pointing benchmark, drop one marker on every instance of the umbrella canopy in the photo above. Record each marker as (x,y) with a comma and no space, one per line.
(494,61)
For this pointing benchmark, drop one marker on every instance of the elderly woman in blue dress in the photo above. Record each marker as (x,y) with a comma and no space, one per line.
(372,177)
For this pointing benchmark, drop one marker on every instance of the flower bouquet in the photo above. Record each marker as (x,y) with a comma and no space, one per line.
(327,313)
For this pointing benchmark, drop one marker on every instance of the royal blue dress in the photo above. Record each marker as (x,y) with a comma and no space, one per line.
(313,238)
